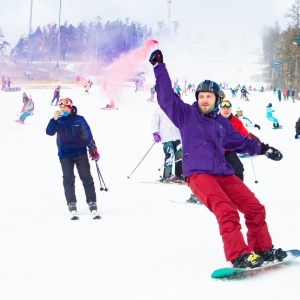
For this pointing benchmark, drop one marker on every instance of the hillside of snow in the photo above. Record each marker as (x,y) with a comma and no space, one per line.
(145,247)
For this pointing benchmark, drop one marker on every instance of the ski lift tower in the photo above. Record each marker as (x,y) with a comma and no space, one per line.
(276,65)
(297,43)
(29,58)
(169,14)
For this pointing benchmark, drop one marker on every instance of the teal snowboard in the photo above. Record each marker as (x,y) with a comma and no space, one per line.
(232,273)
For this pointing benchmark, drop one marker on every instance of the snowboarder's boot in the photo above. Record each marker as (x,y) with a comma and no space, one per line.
(252,260)
(272,254)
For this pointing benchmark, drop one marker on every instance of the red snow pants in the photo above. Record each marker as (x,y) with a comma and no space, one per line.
(225,196)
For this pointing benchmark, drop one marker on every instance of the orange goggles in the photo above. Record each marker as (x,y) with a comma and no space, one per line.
(225,104)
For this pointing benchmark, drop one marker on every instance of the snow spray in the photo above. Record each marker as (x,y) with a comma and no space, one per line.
(125,64)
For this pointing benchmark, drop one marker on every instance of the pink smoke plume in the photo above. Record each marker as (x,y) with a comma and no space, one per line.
(121,68)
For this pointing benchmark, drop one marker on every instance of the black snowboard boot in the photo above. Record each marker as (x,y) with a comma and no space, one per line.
(272,254)
(244,261)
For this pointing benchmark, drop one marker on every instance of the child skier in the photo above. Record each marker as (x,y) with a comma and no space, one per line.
(27,111)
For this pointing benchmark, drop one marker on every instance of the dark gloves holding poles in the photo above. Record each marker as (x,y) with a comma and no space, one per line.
(270,152)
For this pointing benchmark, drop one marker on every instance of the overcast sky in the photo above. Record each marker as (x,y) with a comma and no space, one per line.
(235,21)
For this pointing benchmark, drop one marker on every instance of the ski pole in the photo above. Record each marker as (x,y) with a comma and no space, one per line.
(174,162)
(161,166)
(256,181)
(141,160)
(101,179)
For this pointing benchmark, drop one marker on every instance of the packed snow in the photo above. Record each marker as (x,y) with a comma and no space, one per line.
(145,247)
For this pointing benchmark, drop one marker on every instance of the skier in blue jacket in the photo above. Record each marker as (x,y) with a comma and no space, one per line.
(205,134)
(72,139)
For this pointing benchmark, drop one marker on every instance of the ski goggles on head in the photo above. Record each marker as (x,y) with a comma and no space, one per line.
(69,102)
(225,103)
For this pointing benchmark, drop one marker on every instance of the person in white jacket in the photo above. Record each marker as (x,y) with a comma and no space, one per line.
(166,132)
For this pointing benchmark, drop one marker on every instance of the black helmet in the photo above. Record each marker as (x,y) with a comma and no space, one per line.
(209,86)
(270,105)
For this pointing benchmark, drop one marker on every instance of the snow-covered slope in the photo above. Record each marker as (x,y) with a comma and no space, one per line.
(145,247)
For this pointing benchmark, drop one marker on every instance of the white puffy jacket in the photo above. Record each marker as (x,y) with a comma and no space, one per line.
(163,125)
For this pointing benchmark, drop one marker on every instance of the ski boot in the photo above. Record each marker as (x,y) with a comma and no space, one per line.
(73,210)
(193,199)
(165,179)
(93,209)
(177,179)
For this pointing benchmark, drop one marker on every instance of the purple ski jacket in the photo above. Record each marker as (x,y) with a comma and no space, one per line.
(204,136)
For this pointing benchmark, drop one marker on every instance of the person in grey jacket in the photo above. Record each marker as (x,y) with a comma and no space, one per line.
(205,134)
(167,133)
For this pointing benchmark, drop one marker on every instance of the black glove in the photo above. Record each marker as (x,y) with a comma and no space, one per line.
(270,152)
(257,126)
(156,58)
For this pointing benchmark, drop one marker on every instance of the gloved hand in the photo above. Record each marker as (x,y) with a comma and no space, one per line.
(156,136)
(95,156)
(296,136)
(270,152)
(257,126)
(93,151)
(156,58)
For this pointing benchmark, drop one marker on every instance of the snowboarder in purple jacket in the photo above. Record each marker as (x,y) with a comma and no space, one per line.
(205,133)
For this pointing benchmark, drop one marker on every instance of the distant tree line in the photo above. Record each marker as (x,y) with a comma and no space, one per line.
(103,42)
(95,39)
(282,49)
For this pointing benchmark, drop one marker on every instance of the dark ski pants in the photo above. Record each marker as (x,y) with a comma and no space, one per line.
(83,168)
(225,196)
(57,99)
(235,162)
(173,151)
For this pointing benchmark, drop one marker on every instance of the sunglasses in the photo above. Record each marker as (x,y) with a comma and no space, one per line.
(62,104)
(225,104)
